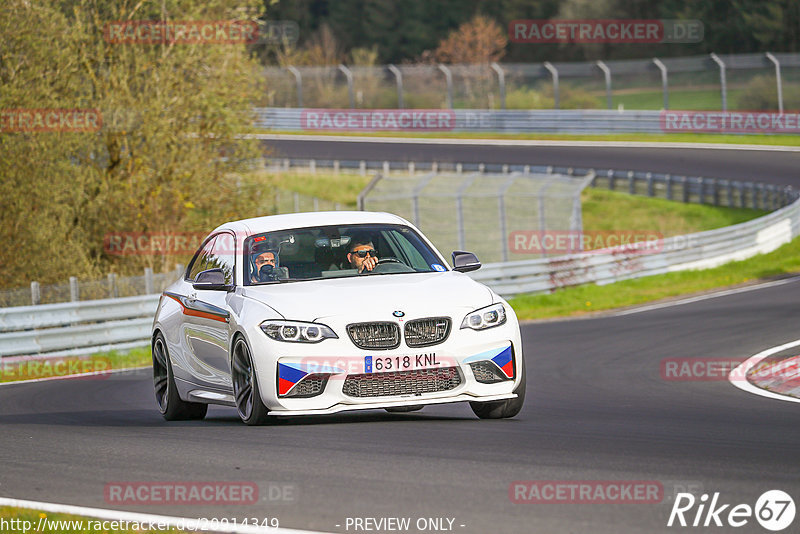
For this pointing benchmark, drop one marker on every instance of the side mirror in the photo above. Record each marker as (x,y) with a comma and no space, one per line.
(465,262)
(213,279)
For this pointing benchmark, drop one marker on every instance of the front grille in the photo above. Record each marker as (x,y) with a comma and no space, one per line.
(374,335)
(309,386)
(426,332)
(414,382)
(487,373)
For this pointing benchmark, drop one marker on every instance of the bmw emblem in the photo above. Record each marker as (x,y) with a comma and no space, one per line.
(398,313)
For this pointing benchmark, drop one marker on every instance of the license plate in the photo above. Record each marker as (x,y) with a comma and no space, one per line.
(388,364)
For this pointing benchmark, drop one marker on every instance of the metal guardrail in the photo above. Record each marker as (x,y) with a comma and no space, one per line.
(693,251)
(86,326)
(510,121)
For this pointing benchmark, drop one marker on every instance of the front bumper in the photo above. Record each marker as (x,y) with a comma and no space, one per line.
(340,358)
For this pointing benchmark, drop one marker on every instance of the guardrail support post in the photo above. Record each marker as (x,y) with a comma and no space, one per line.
(350,93)
(399,78)
(36,294)
(448,76)
(649,178)
(778,78)
(501,82)
(607,73)
(610,179)
(299,81)
(631,183)
(554,73)
(723,85)
(668,186)
(685,192)
(113,291)
(149,286)
(664,76)
(73,289)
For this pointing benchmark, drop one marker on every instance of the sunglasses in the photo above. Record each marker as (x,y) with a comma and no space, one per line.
(363,253)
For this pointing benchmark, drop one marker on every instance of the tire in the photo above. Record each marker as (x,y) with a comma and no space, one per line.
(170,404)
(505,408)
(245,386)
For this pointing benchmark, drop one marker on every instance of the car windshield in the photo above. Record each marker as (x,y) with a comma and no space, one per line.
(335,252)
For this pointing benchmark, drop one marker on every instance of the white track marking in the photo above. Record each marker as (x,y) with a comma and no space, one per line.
(116,515)
(79,375)
(516,142)
(708,296)
(752,361)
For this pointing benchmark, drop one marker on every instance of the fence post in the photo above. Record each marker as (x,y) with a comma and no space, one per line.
(501,82)
(386,168)
(729,193)
(611,179)
(296,196)
(607,73)
(702,196)
(778,78)
(36,293)
(299,81)
(399,77)
(350,93)
(722,80)
(649,178)
(74,296)
(631,183)
(685,193)
(112,286)
(448,76)
(554,73)
(149,286)
(336,166)
(664,76)
(411,168)
(362,167)
(312,166)
(668,186)
(714,192)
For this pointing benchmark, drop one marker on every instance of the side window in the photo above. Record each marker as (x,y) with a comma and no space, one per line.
(408,252)
(223,255)
(200,260)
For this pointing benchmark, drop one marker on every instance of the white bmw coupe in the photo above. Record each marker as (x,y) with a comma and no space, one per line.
(318,313)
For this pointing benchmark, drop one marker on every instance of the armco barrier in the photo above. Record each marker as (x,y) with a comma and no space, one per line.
(512,121)
(54,328)
(693,251)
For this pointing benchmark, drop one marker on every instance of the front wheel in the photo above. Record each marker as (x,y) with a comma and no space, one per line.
(245,386)
(505,408)
(171,406)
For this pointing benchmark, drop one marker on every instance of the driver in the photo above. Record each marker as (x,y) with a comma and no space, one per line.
(265,267)
(362,254)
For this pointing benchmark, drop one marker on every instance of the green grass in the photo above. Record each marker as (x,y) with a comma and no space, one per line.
(62,366)
(588,298)
(771,140)
(694,99)
(342,188)
(608,210)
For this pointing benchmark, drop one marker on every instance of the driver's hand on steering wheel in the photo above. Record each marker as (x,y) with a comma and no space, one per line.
(369,263)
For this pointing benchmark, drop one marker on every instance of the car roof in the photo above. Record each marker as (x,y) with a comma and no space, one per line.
(273,223)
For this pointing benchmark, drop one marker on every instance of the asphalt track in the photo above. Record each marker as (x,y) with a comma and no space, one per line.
(781,168)
(597,409)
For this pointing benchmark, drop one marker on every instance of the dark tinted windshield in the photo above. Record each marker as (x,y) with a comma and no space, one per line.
(336,251)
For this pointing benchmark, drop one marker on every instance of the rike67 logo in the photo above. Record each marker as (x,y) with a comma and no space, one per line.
(774,510)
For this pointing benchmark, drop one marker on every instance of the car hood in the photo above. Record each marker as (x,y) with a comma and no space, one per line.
(374,297)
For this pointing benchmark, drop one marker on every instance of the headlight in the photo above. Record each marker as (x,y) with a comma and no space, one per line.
(484,318)
(297,332)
